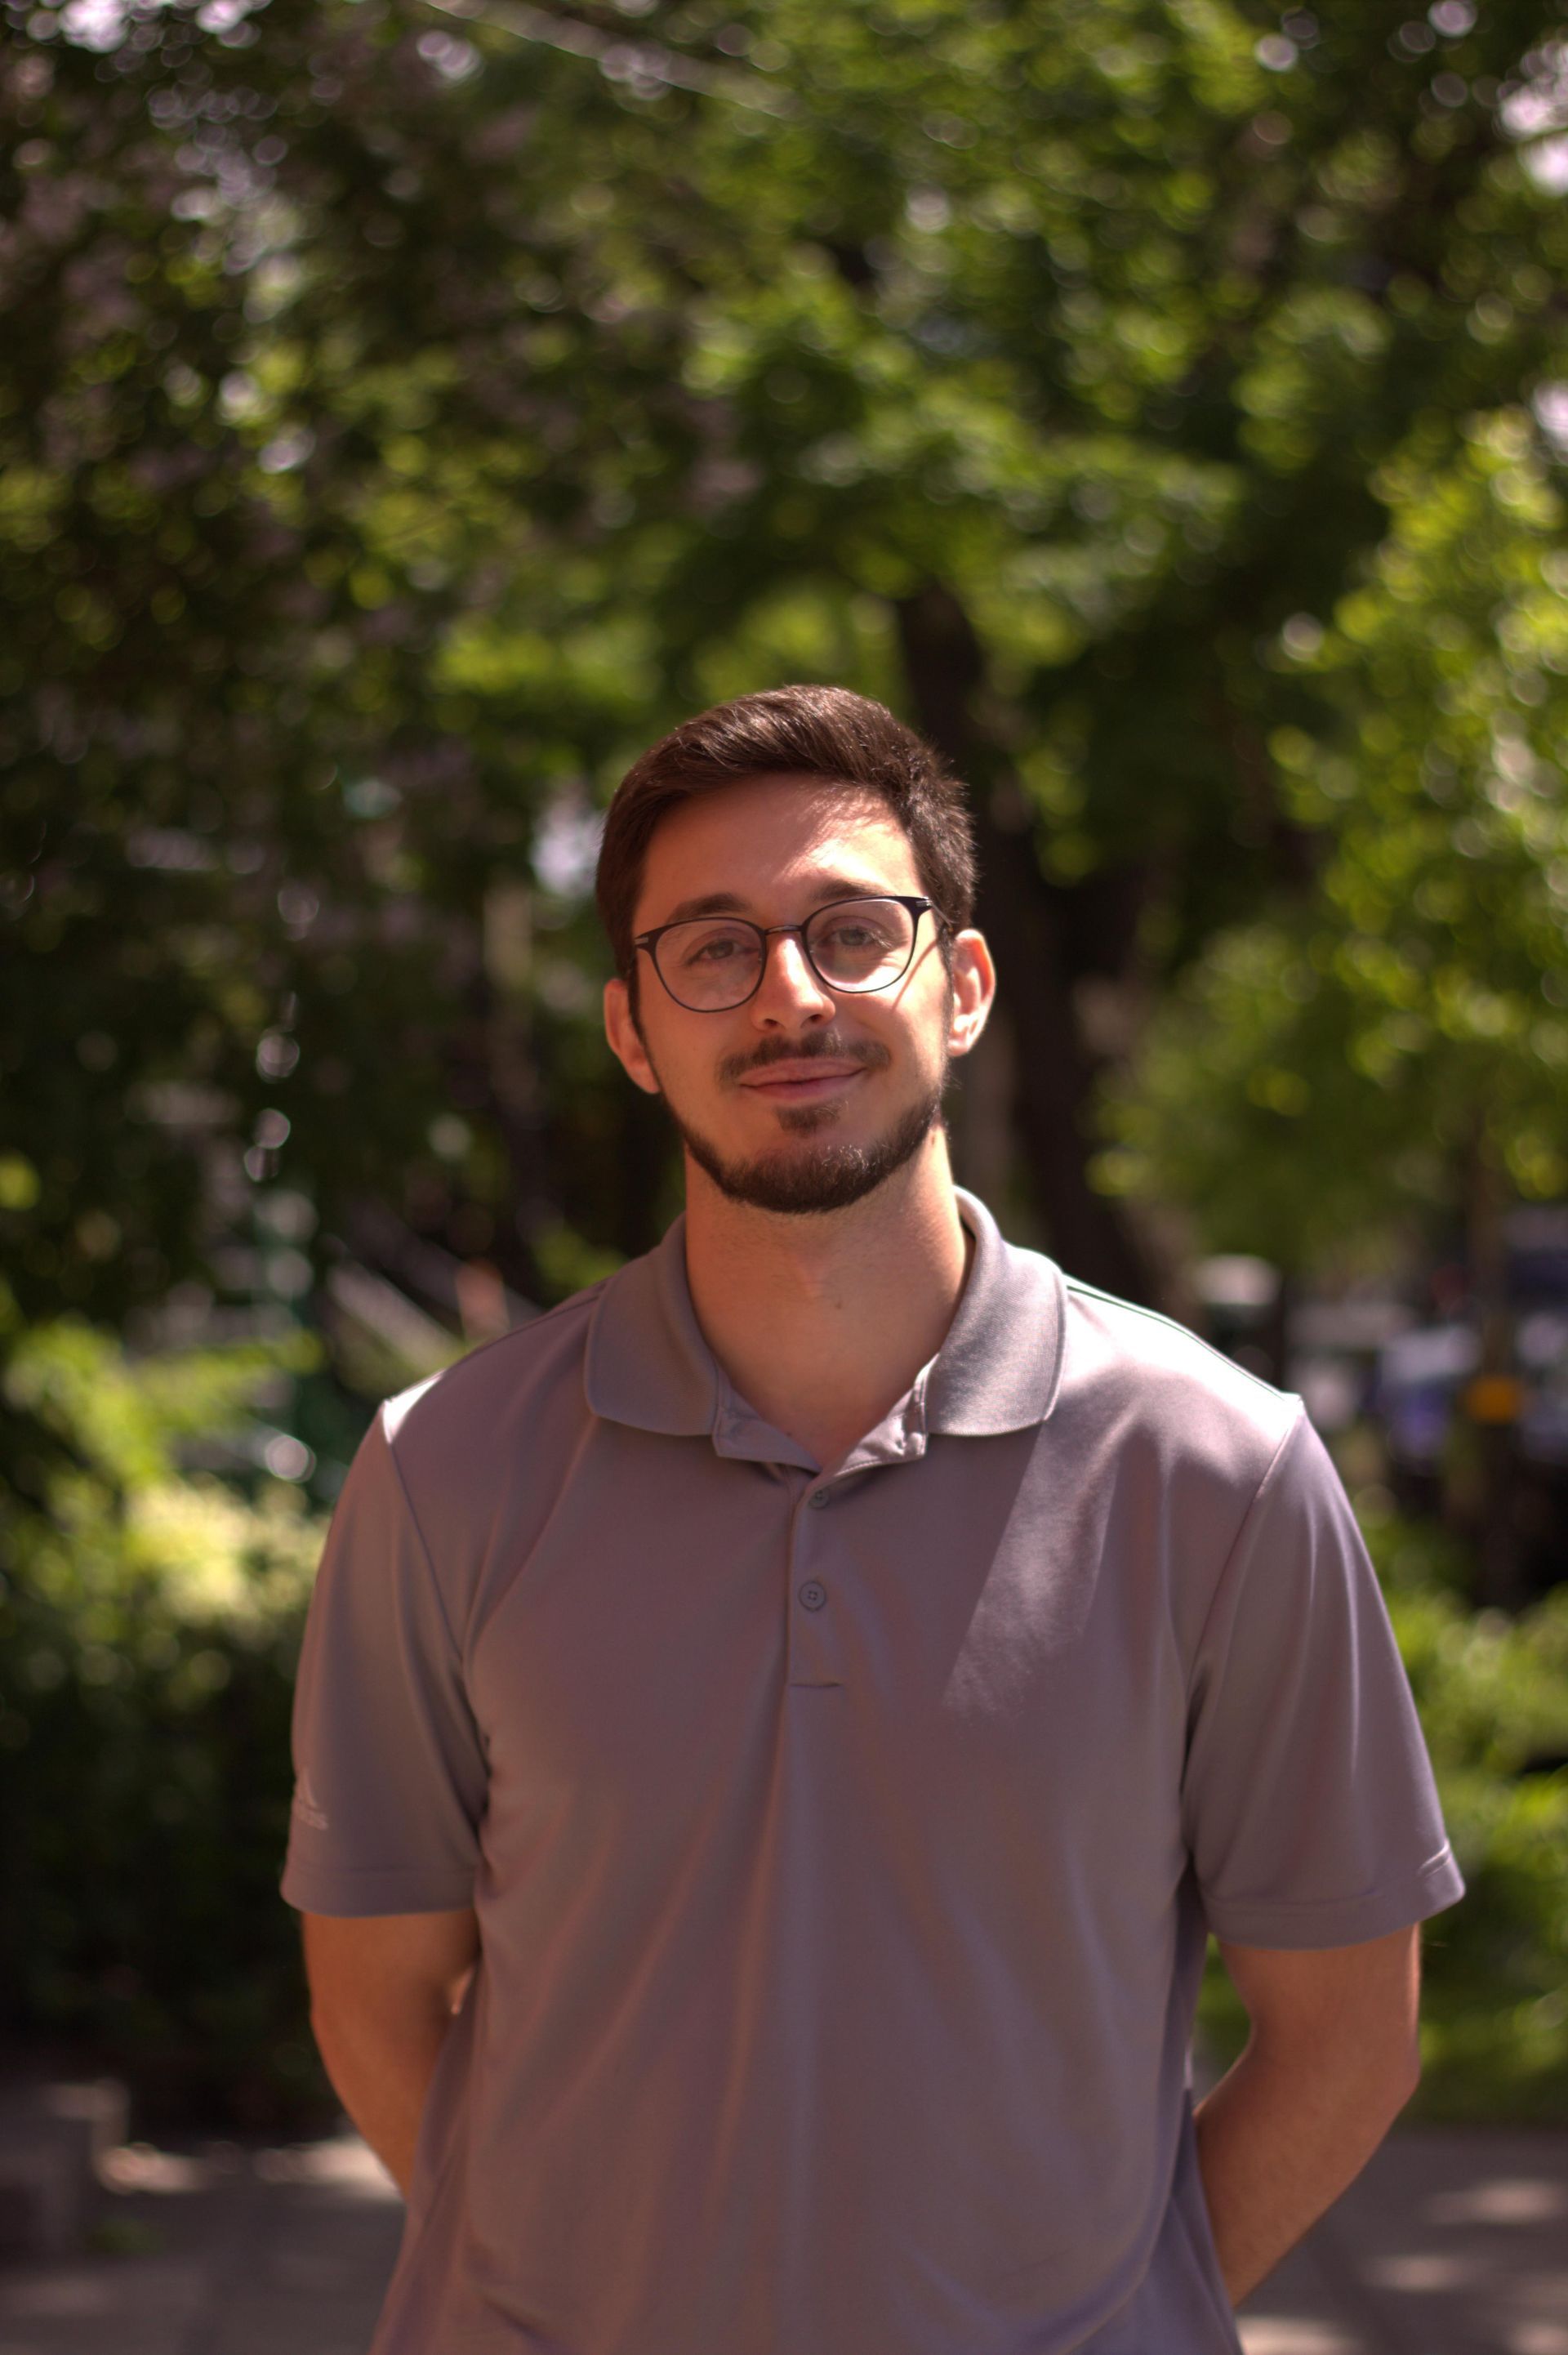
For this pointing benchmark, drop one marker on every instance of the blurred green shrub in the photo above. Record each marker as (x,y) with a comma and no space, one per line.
(1493,1698)
(149,1625)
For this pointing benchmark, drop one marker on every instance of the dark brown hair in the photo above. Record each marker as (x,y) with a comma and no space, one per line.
(814,731)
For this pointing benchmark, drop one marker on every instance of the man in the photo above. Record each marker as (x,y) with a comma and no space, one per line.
(775,1732)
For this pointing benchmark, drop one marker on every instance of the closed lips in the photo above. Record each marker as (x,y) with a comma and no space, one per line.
(800,1074)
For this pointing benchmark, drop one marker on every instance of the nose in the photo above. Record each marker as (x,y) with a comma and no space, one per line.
(789,992)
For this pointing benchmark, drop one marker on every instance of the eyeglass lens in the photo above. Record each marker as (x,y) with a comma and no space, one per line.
(714,961)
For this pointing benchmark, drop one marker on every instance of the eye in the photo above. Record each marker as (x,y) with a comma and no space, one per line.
(854,932)
(710,945)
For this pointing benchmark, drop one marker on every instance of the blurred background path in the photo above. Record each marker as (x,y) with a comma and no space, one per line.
(218,2248)
(1453,2243)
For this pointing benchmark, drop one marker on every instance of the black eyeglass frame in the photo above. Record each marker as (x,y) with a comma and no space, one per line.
(915,906)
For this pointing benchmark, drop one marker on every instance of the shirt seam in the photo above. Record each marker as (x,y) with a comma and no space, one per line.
(583,1299)
(457,1650)
(541,1317)
(1287,1436)
(1173,1325)
(424,1554)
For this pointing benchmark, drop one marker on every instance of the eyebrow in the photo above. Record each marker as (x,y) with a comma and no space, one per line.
(730,903)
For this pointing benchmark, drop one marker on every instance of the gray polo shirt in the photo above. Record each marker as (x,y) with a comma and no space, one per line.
(843,1849)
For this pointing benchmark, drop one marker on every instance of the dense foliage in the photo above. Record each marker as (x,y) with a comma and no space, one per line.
(1334,1065)
(410,407)
(407,411)
(149,1626)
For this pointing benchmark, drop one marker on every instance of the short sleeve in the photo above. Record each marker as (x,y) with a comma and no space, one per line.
(1310,1807)
(390,1766)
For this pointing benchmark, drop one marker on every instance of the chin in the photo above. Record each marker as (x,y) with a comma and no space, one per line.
(812,1179)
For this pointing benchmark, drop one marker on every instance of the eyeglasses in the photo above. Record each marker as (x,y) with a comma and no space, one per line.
(710,965)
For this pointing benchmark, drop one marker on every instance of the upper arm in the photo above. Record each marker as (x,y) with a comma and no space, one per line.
(1359,2002)
(392,1774)
(371,1962)
(1308,1806)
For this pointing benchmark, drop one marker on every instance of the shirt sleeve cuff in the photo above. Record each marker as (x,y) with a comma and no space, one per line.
(326,1889)
(1339,1921)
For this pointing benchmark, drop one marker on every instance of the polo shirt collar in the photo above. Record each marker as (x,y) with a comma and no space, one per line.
(999,1368)
(647,1361)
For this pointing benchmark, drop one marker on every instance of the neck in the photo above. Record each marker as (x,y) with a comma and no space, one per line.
(822,1321)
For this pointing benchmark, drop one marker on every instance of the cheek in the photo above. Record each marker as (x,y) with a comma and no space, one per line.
(928,1021)
(682,1067)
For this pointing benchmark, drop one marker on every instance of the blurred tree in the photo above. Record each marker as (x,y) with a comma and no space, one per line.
(1375,1047)
(410,410)
(1397,1044)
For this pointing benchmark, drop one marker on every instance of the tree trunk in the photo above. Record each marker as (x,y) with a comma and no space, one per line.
(1055,1070)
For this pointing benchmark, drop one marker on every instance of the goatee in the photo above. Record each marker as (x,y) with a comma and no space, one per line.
(829,1177)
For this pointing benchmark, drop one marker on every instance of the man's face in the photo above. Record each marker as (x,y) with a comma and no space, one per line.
(803,1099)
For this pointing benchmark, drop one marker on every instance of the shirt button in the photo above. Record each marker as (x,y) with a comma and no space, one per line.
(818,1499)
(813,1595)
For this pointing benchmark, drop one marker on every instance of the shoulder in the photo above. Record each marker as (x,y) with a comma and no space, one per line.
(476,1453)
(1162,1391)
(482,1410)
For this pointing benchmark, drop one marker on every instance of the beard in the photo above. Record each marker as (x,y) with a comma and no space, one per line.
(831,1175)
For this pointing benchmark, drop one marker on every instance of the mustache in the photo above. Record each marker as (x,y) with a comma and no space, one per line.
(870,1052)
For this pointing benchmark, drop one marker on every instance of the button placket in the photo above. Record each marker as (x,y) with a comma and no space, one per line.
(812,1636)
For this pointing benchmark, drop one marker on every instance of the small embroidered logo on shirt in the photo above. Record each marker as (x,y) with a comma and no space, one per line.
(305,1805)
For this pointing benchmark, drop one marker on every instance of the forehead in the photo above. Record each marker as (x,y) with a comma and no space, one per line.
(768,841)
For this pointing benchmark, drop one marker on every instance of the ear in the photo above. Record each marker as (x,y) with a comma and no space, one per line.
(625,1038)
(974,990)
